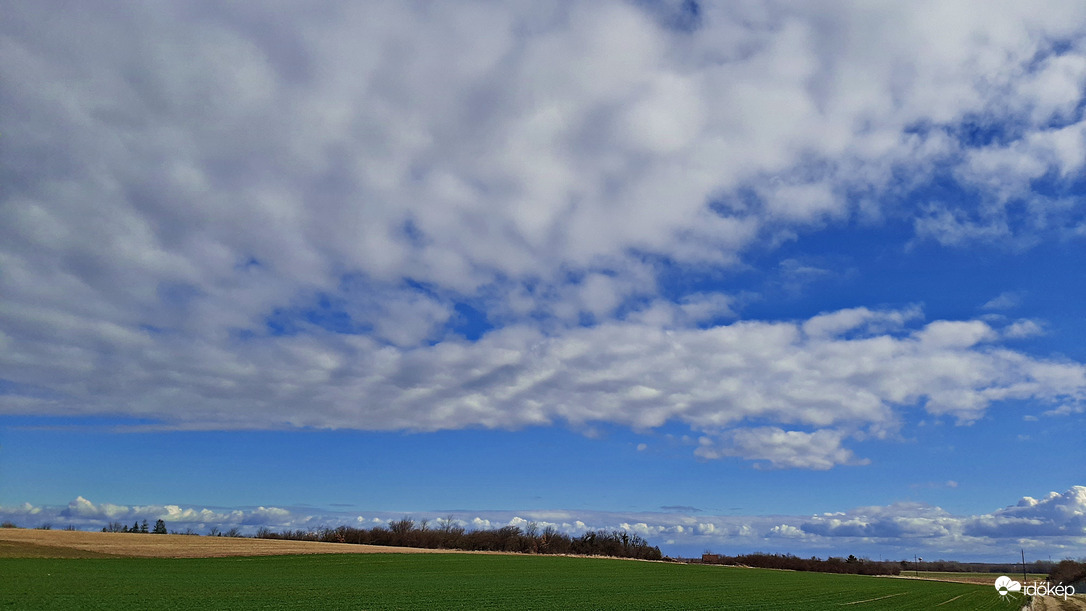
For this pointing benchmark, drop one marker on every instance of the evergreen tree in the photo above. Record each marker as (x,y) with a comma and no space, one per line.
(160,528)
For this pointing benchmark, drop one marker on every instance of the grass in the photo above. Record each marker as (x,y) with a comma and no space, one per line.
(455,581)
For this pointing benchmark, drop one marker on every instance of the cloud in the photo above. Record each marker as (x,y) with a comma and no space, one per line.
(1054,522)
(952,227)
(1004,301)
(1055,515)
(782,449)
(902,520)
(222,217)
(858,320)
(82,508)
(786,531)
(1023,328)
(317,148)
(822,381)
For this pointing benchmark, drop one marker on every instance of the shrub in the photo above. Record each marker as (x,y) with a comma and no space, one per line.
(1067,572)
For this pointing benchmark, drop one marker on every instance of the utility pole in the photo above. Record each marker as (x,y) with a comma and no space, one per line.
(1023,565)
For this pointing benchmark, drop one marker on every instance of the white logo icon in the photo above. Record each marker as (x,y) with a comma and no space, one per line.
(1005,584)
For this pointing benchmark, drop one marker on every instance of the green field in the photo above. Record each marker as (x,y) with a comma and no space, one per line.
(454,581)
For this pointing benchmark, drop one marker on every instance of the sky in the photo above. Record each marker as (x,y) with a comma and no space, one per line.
(747,276)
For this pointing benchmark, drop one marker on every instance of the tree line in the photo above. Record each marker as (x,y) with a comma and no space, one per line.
(137,527)
(996,568)
(1067,572)
(448,534)
(851,565)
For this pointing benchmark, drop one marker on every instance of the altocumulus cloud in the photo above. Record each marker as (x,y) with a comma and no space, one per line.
(217,216)
(826,387)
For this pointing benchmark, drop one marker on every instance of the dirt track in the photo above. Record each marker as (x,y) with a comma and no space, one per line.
(181,546)
(1051,603)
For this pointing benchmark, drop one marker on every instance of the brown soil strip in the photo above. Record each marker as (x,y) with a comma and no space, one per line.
(20,549)
(26,543)
(1073,603)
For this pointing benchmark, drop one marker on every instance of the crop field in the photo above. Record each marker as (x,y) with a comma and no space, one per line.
(81,570)
(454,581)
(27,543)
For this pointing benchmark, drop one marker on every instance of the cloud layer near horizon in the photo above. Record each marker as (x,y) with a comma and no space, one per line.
(218,216)
(839,375)
(1053,523)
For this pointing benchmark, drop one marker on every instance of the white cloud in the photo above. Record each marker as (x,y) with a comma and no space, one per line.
(1055,515)
(787,531)
(481,524)
(318,144)
(781,449)
(950,227)
(1053,523)
(1023,328)
(819,380)
(82,511)
(902,520)
(1055,88)
(805,202)
(1004,301)
(180,181)
(863,320)
(83,508)
(955,334)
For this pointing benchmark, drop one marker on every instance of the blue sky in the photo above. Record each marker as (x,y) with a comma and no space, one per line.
(740,277)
